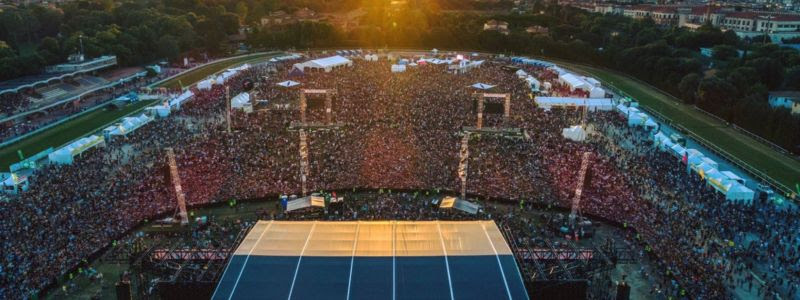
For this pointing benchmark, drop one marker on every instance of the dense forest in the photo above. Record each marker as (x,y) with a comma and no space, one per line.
(729,85)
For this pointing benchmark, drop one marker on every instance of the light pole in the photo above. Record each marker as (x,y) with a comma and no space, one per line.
(767,29)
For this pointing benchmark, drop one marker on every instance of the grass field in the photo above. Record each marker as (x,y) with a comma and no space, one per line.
(756,156)
(93,121)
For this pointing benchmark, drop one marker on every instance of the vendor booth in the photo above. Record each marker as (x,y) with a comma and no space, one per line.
(67,154)
(574,133)
(242,101)
(326,64)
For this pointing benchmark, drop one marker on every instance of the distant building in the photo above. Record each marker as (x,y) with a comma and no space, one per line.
(778,25)
(78,64)
(536,29)
(280,17)
(785,99)
(495,25)
(306,15)
(276,18)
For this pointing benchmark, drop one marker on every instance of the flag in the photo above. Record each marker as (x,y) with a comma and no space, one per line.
(19,152)
(685,158)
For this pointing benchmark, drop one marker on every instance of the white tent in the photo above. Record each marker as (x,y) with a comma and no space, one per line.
(575,133)
(662,141)
(482,86)
(622,108)
(14,183)
(158,110)
(678,150)
(398,68)
(326,64)
(533,83)
(733,176)
(126,125)
(547,103)
(558,70)
(597,92)
(592,81)
(694,153)
(521,74)
(739,192)
(710,162)
(371,57)
(176,102)
(285,57)
(288,83)
(66,154)
(205,84)
(637,118)
(695,158)
(716,179)
(650,123)
(574,82)
(704,168)
(240,68)
(241,101)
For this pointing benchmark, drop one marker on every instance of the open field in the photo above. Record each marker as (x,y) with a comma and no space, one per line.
(757,157)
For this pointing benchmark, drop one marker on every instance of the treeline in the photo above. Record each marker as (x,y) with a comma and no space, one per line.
(733,84)
(137,32)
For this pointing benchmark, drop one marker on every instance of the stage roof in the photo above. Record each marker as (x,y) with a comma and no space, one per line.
(372,260)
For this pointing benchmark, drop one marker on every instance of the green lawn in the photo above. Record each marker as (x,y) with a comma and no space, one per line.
(66,132)
(756,156)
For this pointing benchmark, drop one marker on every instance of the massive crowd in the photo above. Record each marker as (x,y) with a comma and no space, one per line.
(401,131)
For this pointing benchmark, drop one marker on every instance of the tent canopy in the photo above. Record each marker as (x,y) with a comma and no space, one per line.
(597,92)
(592,104)
(326,63)
(575,133)
(288,83)
(574,82)
(66,154)
(739,192)
(482,86)
(733,176)
(241,100)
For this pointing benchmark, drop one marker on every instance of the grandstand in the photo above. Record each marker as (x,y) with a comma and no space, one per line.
(61,84)
(56,73)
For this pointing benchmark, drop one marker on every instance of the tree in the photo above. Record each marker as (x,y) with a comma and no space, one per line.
(168,47)
(50,50)
(715,95)
(724,52)
(792,80)
(688,87)
(242,10)
(769,70)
